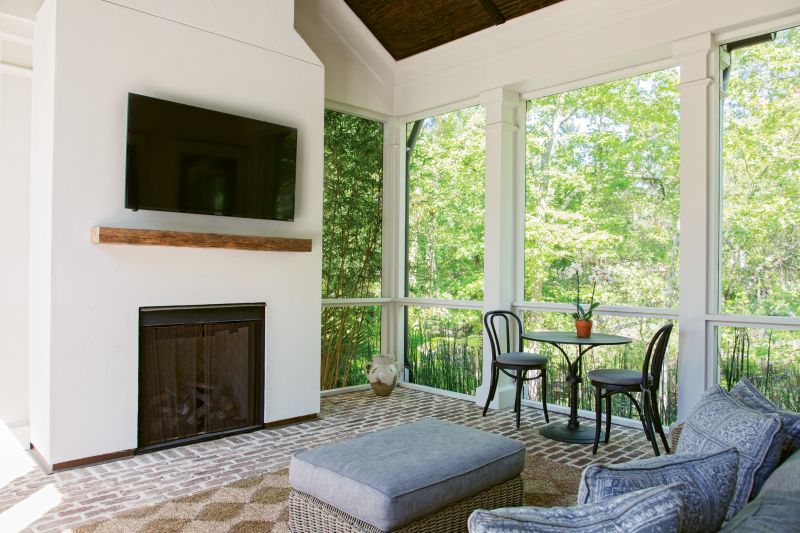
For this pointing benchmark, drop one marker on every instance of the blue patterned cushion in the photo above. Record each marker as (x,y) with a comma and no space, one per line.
(718,422)
(709,481)
(650,510)
(745,393)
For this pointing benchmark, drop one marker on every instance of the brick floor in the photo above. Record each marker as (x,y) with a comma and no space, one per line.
(98,492)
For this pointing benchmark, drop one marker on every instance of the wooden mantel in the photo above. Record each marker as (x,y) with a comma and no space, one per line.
(149,237)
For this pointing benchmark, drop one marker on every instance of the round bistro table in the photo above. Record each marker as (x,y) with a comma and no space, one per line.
(572,430)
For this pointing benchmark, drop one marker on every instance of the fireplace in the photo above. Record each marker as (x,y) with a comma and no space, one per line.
(201,373)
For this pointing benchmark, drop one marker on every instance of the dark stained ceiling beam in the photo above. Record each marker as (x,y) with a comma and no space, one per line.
(493,12)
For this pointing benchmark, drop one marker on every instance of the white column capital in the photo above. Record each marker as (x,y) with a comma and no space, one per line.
(693,55)
(701,43)
(393,132)
(501,105)
(701,83)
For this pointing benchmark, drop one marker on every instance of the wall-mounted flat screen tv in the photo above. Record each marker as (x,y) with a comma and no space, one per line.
(192,160)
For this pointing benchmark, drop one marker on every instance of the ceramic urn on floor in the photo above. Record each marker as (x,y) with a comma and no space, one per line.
(382,374)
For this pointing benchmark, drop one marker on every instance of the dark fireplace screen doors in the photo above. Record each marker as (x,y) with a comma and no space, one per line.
(201,373)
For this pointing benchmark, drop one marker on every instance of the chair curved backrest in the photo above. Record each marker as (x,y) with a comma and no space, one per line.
(654,358)
(490,320)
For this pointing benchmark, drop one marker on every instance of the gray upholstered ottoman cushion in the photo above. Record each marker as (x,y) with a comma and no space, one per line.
(395,476)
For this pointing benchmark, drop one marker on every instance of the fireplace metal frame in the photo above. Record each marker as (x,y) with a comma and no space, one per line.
(206,314)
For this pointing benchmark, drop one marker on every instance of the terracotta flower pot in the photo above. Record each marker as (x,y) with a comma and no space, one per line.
(583,328)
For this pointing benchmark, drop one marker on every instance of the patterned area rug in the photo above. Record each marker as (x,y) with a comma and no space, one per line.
(261,503)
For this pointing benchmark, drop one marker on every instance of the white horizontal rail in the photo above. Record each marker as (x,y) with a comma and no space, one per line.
(413,302)
(434,390)
(346,302)
(750,321)
(545,307)
(427,302)
(644,312)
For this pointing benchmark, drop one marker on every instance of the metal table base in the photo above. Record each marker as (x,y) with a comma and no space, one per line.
(560,431)
(573,431)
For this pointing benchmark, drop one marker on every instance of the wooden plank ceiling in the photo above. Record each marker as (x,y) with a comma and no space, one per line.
(408,27)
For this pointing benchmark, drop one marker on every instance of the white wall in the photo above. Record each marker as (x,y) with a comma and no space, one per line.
(204,53)
(359,73)
(16,39)
(564,43)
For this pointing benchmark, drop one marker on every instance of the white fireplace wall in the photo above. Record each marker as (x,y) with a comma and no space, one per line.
(16,36)
(239,57)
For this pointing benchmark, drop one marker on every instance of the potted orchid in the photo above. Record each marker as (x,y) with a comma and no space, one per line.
(583,315)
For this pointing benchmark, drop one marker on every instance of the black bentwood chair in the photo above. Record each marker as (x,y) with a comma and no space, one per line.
(518,361)
(610,381)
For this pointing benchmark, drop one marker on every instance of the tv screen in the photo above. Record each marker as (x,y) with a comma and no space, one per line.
(193,160)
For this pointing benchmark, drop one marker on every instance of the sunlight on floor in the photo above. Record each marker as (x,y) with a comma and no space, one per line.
(15,461)
(30,509)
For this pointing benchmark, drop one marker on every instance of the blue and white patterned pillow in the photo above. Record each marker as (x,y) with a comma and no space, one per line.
(745,393)
(650,510)
(709,481)
(717,423)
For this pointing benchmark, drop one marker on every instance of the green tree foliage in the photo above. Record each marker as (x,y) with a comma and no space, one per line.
(446,189)
(766,357)
(760,264)
(445,348)
(446,182)
(602,188)
(761,179)
(351,245)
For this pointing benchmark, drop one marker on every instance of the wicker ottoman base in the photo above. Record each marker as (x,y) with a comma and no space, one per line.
(307,514)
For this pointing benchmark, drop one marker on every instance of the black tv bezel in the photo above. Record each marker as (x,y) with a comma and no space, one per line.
(128,204)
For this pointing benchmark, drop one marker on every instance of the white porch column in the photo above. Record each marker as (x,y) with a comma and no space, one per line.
(697,224)
(498,264)
(394,225)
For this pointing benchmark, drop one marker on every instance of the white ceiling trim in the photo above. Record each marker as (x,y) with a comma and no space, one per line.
(352,32)
(528,32)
